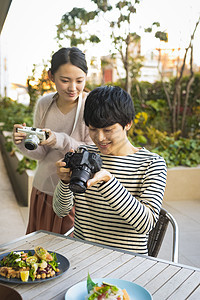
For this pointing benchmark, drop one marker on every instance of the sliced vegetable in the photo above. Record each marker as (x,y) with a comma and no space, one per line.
(125,296)
(43,264)
(31,259)
(24,275)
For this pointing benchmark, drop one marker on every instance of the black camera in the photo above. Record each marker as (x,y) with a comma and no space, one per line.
(83,165)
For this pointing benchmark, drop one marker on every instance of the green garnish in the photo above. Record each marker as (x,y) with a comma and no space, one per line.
(10,260)
(54,263)
(31,274)
(90,283)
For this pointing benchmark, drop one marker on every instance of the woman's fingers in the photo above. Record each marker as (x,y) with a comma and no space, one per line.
(18,136)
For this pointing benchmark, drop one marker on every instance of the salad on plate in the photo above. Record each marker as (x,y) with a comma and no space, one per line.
(38,265)
(105,291)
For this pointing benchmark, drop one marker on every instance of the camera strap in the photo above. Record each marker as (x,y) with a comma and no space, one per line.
(77,112)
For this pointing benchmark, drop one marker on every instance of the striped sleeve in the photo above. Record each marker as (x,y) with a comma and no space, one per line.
(62,199)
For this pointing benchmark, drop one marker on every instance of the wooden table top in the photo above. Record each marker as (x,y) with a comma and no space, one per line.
(163,279)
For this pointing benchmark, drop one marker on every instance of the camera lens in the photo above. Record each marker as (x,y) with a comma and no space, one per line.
(31,142)
(77,187)
(79,178)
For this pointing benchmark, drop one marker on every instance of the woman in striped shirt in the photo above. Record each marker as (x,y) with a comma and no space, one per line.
(122,201)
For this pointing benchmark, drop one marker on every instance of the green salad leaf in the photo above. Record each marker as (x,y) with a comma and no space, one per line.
(31,274)
(10,260)
(54,263)
(90,283)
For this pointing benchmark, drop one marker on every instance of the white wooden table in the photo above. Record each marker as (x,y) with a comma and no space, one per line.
(163,279)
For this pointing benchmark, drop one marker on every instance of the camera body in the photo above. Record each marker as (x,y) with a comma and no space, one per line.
(83,165)
(34,136)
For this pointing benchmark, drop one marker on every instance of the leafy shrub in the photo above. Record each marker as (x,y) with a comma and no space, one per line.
(26,163)
(152,99)
(176,151)
(12,113)
(183,152)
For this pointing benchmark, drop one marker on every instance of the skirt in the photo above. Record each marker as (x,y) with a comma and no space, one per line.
(42,216)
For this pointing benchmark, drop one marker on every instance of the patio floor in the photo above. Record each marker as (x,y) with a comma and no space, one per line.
(13,221)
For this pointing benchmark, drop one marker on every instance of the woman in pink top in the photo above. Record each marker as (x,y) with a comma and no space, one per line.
(61,115)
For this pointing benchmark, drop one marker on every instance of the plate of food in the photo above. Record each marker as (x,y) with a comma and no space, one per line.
(32,266)
(107,288)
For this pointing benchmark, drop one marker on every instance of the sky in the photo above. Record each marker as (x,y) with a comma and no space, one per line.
(28,35)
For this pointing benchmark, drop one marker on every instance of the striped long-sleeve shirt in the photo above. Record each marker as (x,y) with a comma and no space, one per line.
(121,212)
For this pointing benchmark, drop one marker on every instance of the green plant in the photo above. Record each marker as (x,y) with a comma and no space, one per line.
(26,163)
(183,152)
(39,87)
(12,113)
(176,151)
(10,147)
(151,98)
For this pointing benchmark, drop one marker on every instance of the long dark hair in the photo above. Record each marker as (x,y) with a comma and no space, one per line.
(68,55)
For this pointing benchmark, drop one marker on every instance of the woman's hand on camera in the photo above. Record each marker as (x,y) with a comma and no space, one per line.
(63,173)
(101,176)
(51,140)
(18,137)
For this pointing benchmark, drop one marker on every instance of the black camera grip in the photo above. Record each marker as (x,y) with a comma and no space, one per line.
(46,134)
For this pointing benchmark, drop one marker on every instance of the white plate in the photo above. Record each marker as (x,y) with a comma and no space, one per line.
(135,291)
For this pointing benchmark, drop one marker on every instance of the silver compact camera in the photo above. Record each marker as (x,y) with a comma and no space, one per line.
(34,136)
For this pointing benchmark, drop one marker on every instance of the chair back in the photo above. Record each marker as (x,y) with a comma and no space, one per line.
(157,234)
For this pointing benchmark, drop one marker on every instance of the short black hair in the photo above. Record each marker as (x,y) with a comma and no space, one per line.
(71,55)
(108,105)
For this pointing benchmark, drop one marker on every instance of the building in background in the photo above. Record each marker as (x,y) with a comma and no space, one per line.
(94,70)
(150,70)
(109,69)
